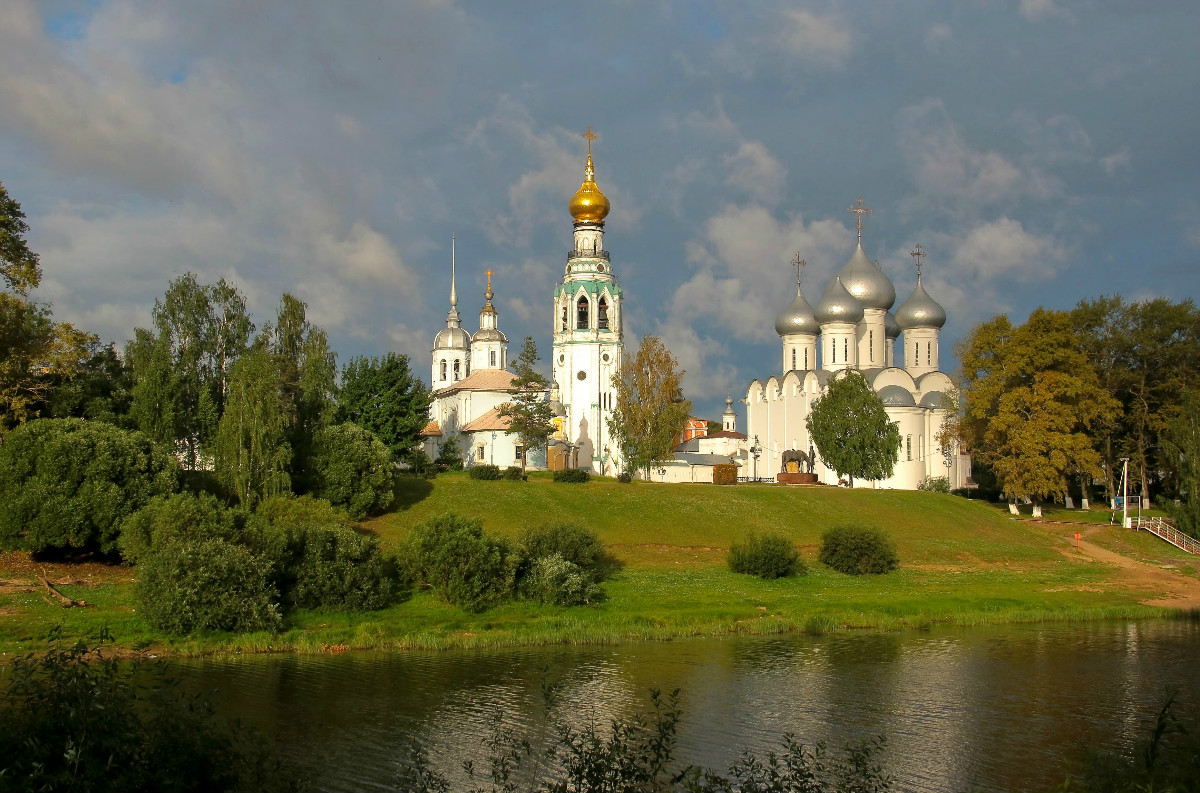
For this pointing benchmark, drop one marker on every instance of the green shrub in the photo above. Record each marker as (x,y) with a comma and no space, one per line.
(767,556)
(513,474)
(352,468)
(76,719)
(177,517)
(192,585)
(487,473)
(70,483)
(574,543)
(856,549)
(934,484)
(317,557)
(572,475)
(552,579)
(725,474)
(625,477)
(466,567)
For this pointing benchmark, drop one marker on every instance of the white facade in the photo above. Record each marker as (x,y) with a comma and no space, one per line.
(857,332)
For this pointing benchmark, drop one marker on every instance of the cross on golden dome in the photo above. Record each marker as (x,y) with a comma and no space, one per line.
(860,210)
(589,136)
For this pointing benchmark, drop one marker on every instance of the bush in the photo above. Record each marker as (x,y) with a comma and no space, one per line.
(69,484)
(572,475)
(318,558)
(934,484)
(769,556)
(574,543)
(449,456)
(463,565)
(513,474)
(74,719)
(193,585)
(725,474)
(352,468)
(487,473)
(625,477)
(856,549)
(552,579)
(177,517)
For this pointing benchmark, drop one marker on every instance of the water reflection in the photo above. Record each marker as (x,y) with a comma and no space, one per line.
(993,709)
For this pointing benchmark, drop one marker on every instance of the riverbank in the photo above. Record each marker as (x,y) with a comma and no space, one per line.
(962,563)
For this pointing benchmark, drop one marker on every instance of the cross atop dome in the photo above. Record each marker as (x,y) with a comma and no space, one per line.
(918,254)
(589,136)
(859,210)
(799,264)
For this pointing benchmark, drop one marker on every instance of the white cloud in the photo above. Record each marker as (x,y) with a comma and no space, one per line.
(1037,10)
(937,34)
(1117,161)
(1003,249)
(814,37)
(756,172)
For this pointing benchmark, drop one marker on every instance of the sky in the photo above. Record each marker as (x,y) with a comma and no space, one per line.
(1041,151)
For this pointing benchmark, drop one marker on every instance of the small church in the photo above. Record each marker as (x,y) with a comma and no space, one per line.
(852,328)
(470,380)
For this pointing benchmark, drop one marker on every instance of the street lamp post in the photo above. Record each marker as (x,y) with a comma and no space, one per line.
(492,448)
(755,450)
(1125,493)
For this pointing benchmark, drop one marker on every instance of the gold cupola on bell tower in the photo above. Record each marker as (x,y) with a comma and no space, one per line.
(589,205)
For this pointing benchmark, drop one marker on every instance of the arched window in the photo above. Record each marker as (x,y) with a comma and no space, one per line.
(602,317)
(492,359)
(564,322)
(871,343)
(929,353)
(793,357)
(909,445)
(845,350)
(581,319)
(443,377)
(457,370)
(806,359)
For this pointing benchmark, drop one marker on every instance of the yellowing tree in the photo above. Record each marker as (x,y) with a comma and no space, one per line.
(1032,404)
(650,410)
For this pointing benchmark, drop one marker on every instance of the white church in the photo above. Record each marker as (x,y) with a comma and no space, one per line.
(470,380)
(852,328)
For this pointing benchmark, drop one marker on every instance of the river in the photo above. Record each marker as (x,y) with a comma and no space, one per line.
(991,709)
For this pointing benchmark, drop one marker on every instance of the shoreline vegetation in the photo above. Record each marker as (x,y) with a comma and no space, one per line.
(962,563)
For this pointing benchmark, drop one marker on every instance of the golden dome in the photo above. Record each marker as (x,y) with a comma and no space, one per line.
(589,204)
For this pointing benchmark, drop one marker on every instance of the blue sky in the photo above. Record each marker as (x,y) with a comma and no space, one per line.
(1041,151)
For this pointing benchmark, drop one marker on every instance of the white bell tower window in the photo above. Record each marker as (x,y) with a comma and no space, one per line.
(581,319)
(602,315)
(457,369)
(443,377)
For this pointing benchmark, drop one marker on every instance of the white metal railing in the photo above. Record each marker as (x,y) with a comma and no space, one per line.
(1162,527)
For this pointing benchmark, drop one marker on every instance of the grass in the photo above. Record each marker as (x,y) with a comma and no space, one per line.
(962,562)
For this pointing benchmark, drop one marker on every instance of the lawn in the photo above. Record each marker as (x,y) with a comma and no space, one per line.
(962,562)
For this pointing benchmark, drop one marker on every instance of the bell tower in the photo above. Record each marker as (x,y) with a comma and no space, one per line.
(587,329)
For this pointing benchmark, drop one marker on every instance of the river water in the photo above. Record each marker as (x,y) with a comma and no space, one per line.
(991,709)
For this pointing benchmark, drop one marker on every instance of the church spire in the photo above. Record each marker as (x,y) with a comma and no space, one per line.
(452,317)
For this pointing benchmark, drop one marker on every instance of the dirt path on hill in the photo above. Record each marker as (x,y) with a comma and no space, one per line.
(1170,589)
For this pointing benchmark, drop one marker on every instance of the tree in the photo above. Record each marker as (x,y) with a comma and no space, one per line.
(68,484)
(851,429)
(384,396)
(1181,442)
(99,390)
(252,451)
(307,382)
(450,454)
(352,469)
(529,415)
(1032,404)
(650,410)
(18,265)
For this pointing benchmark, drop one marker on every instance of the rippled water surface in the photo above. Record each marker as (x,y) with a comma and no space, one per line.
(988,709)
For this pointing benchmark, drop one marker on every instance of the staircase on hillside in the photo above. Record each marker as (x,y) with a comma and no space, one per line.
(1162,527)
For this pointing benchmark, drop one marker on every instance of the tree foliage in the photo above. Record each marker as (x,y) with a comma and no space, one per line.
(1032,404)
(36,354)
(529,415)
(385,396)
(466,567)
(855,549)
(68,484)
(767,556)
(1181,445)
(18,264)
(352,469)
(650,411)
(252,450)
(307,382)
(851,429)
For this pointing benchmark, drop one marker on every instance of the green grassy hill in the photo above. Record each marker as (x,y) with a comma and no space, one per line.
(962,562)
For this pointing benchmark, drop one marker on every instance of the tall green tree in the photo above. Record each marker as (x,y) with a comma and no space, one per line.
(1033,404)
(385,396)
(1181,443)
(252,450)
(650,411)
(19,265)
(307,382)
(851,430)
(529,415)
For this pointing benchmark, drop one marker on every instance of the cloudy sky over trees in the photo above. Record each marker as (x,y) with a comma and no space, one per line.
(1040,150)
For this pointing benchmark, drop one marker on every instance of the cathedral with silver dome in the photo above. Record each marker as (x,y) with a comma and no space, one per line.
(852,327)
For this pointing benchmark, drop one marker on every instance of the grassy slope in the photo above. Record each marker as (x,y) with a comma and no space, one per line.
(962,562)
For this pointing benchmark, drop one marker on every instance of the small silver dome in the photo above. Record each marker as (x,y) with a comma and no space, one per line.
(838,305)
(894,396)
(451,339)
(920,310)
(890,327)
(863,279)
(933,400)
(797,318)
(489,334)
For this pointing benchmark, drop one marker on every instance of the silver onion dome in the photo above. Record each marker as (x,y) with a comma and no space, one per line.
(797,318)
(489,334)
(451,339)
(895,396)
(920,310)
(891,328)
(863,279)
(838,305)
